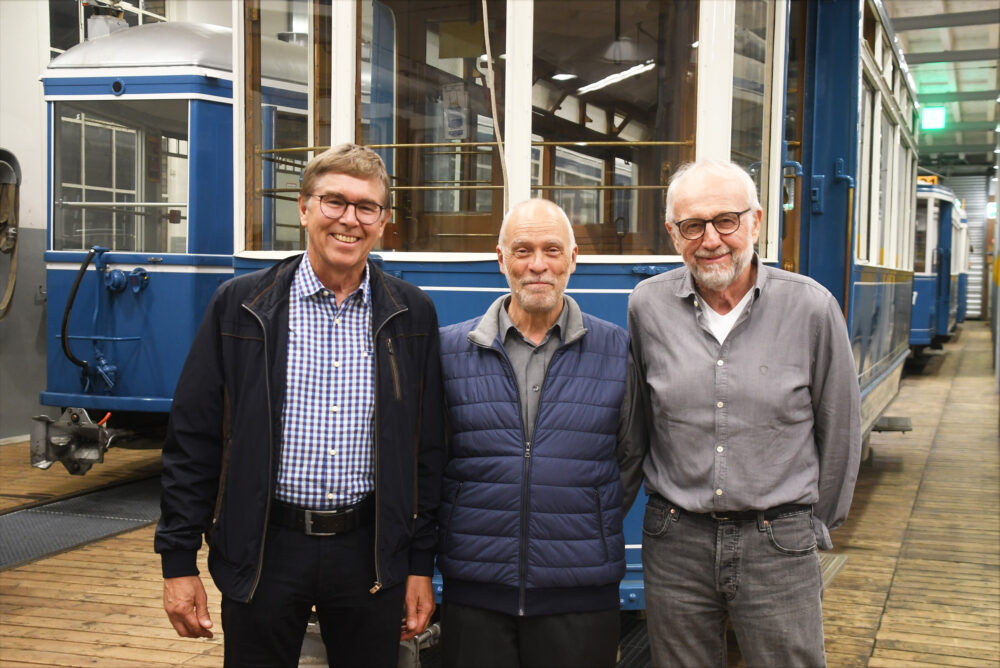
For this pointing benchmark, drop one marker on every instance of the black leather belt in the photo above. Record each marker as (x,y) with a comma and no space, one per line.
(324,522)
(742,515)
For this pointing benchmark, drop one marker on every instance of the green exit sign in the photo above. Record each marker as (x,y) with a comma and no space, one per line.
(932,118)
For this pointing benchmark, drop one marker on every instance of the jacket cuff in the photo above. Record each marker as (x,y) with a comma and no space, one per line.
(179,563)
(421,562)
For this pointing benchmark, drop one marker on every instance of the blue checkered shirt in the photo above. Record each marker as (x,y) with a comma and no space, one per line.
(327,418)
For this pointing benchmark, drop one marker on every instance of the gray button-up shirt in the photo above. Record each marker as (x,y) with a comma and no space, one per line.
(530,361)
(771,416)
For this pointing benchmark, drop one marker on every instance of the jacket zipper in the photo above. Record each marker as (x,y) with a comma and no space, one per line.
(600,523)
(397,390)
(270,454)
(377,585)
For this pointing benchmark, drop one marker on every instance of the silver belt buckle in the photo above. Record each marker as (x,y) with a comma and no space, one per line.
(309,523)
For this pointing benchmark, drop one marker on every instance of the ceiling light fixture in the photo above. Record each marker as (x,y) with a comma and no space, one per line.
(563,76)
(617,77)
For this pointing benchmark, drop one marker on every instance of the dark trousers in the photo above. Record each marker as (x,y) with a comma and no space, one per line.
(487,639)
(334,573)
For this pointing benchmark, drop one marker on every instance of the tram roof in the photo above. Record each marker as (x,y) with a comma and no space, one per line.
(179,43)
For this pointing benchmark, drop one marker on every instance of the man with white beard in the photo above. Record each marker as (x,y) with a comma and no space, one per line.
(750,435)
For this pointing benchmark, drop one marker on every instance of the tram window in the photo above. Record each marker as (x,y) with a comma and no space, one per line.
(885,185)
(864,186)
(121,169)
(612,80)
(920,237)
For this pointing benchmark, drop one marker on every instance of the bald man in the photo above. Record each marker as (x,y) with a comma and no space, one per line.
(531,545)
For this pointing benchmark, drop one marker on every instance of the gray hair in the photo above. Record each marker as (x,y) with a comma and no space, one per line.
(530,204)
(721,168)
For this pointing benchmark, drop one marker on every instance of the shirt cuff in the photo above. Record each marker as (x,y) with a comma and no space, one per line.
(822,534)
(179,563)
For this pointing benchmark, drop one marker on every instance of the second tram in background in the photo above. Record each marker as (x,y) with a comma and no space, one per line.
(600,102)
(940,266)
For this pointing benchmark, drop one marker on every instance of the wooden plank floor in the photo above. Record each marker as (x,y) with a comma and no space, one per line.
(23,486)
(920,586)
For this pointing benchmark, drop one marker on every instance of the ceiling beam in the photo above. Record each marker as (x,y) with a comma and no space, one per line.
(970,96)
(967,126)
(950,56)
(956,148)
(946,20)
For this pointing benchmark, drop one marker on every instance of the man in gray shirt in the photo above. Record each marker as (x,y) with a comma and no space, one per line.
(531,546)
(750,435)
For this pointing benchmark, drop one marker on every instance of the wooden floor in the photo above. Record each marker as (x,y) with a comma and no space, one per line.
(22,486)
(920,586)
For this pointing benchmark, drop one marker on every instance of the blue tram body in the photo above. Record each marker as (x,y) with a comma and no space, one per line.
(143,335)
(937,257)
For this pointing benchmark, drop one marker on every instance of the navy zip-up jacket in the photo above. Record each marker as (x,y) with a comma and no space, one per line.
(220,457)
(531,524)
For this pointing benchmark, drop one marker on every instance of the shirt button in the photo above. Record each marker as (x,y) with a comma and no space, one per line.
(717,449)
(336,321)
(336,364)
(329,495)
(696,303)
(719,405)
(326,293)
(719,363)
(335,409)
(332,451)
(534,388)
(718,492)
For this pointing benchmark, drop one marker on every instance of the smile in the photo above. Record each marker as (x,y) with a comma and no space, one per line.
(346,239)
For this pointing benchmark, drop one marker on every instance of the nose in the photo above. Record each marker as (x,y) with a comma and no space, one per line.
(711,237)
(351,208)
(536,263)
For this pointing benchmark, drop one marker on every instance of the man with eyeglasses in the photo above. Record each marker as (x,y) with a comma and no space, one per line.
(306,443)
(748,436)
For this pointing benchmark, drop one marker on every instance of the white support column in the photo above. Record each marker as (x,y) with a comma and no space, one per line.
(772,170)
(343,67)
(517,105)
(716,41)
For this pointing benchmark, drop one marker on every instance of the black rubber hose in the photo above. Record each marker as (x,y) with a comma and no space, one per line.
(69,308)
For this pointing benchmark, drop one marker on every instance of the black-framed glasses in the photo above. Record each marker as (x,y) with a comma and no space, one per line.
(334,206)
(724,223)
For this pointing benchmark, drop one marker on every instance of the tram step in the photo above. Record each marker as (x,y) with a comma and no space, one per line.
(887,423)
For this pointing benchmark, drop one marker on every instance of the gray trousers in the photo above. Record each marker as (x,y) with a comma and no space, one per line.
(763,575)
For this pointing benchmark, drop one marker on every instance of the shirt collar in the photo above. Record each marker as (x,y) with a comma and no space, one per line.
(306,283)
(505,324)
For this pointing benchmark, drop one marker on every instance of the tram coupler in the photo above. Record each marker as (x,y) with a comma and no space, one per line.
(74,439)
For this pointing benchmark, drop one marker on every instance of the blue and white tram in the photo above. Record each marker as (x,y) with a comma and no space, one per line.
(938,242)
(599,102)
(140,219)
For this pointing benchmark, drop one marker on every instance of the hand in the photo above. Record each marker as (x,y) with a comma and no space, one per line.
(419,606)
(186,604)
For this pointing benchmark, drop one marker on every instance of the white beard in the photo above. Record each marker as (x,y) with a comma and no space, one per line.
(718,279)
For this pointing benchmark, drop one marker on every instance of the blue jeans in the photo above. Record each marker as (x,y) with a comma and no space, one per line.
(763,575)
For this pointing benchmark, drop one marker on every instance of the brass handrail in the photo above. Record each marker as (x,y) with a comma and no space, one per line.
(469,144)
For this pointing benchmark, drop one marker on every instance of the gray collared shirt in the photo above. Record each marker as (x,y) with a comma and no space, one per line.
(768,417)
(530,361)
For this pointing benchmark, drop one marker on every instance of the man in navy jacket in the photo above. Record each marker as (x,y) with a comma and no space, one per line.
(532,549)
(306,443)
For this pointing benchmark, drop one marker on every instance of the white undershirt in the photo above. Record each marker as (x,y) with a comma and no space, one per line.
(721,325)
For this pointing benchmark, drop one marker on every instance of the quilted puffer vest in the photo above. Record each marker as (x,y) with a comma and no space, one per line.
(532,524)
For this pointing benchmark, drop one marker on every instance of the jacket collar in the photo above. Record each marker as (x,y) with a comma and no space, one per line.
(486,331)
(273,287)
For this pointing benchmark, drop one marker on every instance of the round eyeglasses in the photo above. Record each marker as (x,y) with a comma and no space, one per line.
(724,224)
(367,213)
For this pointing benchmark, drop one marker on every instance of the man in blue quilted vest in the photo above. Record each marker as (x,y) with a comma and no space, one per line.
(531,545)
